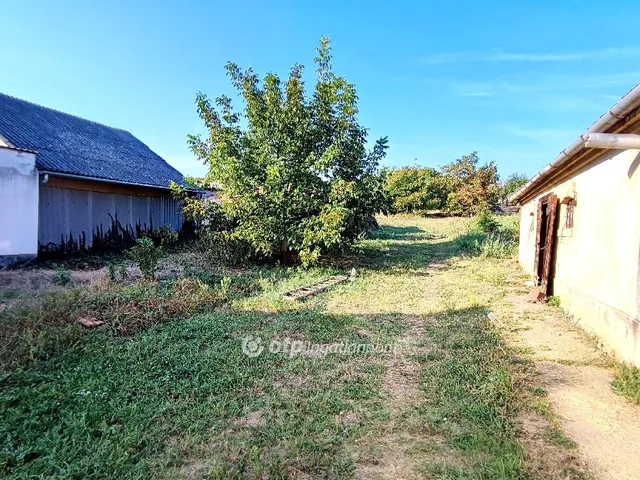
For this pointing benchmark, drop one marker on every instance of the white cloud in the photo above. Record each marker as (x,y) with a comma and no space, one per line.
(499,55)
(546,92)
(476,93)
(541,135)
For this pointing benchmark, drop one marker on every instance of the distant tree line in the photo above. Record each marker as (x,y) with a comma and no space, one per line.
(462,187)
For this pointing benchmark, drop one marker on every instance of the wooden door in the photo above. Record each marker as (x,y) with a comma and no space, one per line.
(545,240)
(550,243)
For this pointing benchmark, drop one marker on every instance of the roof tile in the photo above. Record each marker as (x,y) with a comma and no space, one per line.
(70,144)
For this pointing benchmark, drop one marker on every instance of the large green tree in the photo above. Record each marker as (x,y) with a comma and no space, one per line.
(416,189)
(473,188)
(297,176)
(511,185)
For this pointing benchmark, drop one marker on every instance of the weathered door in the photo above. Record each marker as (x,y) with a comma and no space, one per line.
(545,240)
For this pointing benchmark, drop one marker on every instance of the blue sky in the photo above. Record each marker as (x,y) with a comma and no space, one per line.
(516,81)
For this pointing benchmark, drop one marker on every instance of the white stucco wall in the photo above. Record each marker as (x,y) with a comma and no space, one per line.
(597,270)
(18,203)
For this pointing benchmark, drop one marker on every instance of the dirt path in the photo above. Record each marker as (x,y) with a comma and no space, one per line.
(403,448)
(425,282)
(577,378)
(388,458)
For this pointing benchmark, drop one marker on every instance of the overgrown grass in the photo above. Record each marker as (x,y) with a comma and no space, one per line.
(152,405)
(469,394)
(489,236)
(627,382)
(163,390)
(32,332)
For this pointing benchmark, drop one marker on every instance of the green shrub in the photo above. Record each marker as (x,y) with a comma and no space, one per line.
(117,272)
(554,301)
(493,245)
(163,236)
(146,256)
(224,248)
(484,222)
(61,277)
(509,225)
(627,383)
(470,242)
(497,245)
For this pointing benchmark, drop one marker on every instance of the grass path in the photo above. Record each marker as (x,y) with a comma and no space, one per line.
(182,400)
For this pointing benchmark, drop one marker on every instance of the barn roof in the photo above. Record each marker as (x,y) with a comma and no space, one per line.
(68,144)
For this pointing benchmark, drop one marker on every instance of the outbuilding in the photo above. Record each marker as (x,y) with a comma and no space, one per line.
(580,228)
(69,184)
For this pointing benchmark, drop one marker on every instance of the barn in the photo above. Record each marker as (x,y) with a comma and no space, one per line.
(580,228)
(69,184)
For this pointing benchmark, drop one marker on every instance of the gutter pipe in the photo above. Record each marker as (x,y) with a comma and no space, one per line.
(613,141)
(619,111)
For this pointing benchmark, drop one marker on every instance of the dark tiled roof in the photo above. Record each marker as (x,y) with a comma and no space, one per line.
(69,144)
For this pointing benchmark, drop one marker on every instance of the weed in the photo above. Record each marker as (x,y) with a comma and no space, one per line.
(224,284)
(553,301)
(61,277)
(538,391)
(470,242)
(117,272)
(36,332)
(146,255)
(164,236)
(493,245)
(484,222)
(496,246)
(557,436)
(8,294)
(627,382)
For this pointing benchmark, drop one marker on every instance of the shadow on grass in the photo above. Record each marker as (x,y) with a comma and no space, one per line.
(184,395)
(398,249)
(150,404)
(386,232)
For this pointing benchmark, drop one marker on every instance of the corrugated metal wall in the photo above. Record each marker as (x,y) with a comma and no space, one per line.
(64,212)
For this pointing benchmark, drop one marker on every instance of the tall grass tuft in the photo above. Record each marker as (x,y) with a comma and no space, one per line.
(489,237)
(627,383)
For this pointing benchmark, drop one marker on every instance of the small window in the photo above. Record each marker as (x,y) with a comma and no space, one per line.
(568,223)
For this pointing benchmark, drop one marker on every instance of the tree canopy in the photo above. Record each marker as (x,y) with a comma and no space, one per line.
(297,176)
(511,185)
(462,187)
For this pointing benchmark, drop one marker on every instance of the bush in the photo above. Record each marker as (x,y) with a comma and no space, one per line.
(509,225)
(163,236)
(496,245)
(146,256)
(61,277)
(224,248)
(493,245)
(554,301)
(484,222)
(117,272)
